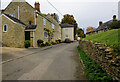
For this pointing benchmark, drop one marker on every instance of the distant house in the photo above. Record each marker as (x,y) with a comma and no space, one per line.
(21,21)
(102,27)
(67,31)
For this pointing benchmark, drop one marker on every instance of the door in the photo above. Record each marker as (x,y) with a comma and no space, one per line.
(27,35)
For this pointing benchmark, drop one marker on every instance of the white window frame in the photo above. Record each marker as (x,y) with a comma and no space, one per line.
(4,27)
(46,33)
(44,21)
(12,14)
(66,29)
(53,26)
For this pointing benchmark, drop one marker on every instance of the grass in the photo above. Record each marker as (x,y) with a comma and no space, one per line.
(92,70)
(110,38)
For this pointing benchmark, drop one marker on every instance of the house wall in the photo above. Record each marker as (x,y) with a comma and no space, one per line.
(14,37)
(69,32)
(26,14)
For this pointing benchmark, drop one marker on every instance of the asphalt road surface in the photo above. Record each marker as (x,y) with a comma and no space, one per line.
(57,63)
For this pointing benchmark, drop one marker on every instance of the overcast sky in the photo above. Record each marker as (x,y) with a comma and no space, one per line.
(86,12)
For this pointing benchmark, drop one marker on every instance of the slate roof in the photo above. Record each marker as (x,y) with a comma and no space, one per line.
(103,26)
(66,25)
(30,27)
(20,22)
(15,19)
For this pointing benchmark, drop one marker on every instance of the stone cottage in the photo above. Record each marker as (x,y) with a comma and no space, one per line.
(34,24)
(102,27)
(67,31)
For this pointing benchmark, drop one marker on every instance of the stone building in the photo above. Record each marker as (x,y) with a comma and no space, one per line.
(67,31)
(35,23)
(102,27)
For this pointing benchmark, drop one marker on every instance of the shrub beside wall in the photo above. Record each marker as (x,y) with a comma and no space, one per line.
(104,56)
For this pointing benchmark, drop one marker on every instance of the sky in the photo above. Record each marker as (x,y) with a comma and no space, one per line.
(86,12)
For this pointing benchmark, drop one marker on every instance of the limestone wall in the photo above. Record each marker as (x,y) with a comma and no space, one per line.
(103,55)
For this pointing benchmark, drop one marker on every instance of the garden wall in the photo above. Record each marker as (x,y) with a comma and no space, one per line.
(104,56)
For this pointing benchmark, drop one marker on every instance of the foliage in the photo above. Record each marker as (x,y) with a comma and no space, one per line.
(40,42)
(50,34)
(114,25)
(110,38)
(53,43)
(69,19)
(59,41)
(80,33)
(92,70)
(90,28)
(55,16)
(27,43)
(48,44)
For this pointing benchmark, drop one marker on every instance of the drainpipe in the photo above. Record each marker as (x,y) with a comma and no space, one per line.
(34,39)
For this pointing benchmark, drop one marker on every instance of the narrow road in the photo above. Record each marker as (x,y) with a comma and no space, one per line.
(58,63)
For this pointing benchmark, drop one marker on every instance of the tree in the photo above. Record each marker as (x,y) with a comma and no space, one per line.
(69,19)
(89,29)
(80,33)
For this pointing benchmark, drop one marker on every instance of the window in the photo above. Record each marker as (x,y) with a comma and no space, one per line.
(53,35)
(66,36)
(44,21)
(45,34)
(66,29)
(5,28)
(12,15)
(53,26)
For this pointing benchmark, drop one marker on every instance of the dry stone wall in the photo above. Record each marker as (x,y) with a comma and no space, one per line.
(103,55)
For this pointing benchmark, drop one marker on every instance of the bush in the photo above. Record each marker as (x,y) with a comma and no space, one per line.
(47,43)
(40,42)
(92,70)
(59,41)
(53,43)
(27,43)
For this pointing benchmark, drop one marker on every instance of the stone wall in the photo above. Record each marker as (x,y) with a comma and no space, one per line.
(103,55)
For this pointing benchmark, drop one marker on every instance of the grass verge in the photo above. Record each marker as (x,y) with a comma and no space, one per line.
(92,70)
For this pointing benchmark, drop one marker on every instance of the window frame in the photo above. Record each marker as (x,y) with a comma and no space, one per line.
(12,14)
(46,33)
(66,29)
(53,26)
(44,21)
(4,27)
(66,35)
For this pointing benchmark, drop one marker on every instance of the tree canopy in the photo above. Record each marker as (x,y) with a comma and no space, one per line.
(69,19)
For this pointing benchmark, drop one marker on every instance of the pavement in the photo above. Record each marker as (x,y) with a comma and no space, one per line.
(59,62)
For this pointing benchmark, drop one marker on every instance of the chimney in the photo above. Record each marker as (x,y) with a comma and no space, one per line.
(100,23)
(114,18)
(37,6)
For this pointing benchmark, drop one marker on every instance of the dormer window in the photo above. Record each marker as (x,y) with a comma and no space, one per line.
(13,15)
(5,28)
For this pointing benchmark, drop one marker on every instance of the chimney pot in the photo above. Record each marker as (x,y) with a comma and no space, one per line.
(37,6)
(100,23)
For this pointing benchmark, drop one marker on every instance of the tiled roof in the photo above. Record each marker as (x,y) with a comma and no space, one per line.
(66,25)
(103,26)
(15,19)
(20,22)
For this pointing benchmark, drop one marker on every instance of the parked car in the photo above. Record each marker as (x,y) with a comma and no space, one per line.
(67,40)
